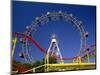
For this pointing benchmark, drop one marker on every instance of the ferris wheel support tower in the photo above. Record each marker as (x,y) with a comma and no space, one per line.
(54,51)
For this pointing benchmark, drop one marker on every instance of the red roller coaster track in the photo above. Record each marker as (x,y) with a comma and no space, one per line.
(31,39)
(38,46)
(20,68)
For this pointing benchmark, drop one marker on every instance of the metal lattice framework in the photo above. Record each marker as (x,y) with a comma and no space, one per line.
(53,16)
(26,38)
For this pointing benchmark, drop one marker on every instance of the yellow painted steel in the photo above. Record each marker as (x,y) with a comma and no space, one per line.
(76,65)
(77,60)
(14,41)
(88,57)
(46,68)
(47,62)
(64,67)
(69,66)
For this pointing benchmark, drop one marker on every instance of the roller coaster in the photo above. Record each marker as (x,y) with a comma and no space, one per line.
(79,62)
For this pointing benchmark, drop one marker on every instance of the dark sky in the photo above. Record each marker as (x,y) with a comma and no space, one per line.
(68,36)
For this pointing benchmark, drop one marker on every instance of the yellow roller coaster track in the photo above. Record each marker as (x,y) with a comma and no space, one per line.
(69,66)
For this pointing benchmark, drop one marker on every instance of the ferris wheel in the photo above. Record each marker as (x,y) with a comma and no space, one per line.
(26,37)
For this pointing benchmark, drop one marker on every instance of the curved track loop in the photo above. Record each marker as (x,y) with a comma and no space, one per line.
(32,40)
(38,46)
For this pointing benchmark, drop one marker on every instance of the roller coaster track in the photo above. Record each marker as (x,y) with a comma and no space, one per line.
(63,67)
(40,48)
(52,16)
(20,68)
(69,66)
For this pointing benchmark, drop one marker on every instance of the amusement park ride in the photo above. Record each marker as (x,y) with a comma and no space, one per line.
(79,62)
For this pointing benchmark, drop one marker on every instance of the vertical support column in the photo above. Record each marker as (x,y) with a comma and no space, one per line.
(88,58)
(80,60)
(14,41)
(46,68)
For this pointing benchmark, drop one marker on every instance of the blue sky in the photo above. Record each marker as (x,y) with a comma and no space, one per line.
(68,36)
